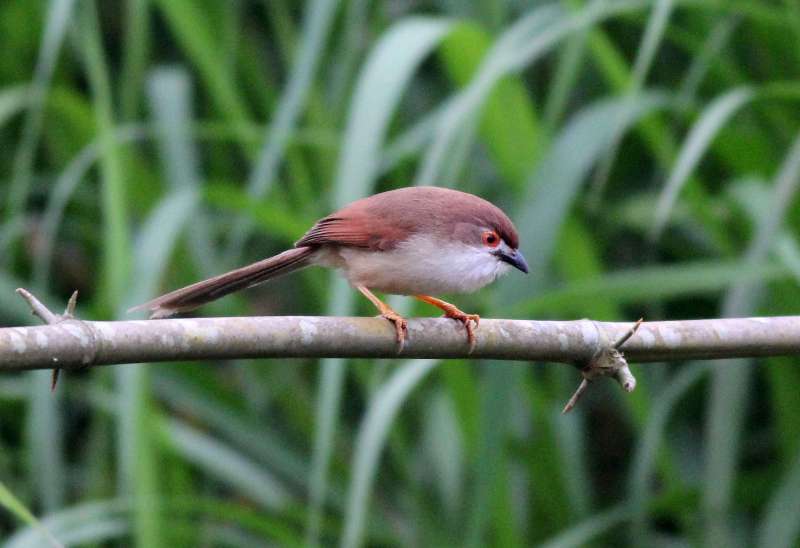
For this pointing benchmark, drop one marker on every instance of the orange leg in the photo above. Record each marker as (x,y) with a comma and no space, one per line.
(400,323)
(452,311)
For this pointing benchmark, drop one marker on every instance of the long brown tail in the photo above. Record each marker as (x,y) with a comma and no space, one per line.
(200,293)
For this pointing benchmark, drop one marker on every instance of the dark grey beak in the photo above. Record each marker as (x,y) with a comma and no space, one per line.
(514,258)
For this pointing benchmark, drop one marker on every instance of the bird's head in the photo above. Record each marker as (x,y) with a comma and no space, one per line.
(498,247)
(486,229)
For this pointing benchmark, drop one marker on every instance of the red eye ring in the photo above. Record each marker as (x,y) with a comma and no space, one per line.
(490,238)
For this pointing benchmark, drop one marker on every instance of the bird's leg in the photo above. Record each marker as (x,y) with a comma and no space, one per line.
(400,323)
(452,311)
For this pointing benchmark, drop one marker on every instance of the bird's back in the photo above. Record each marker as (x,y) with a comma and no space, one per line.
(382,220)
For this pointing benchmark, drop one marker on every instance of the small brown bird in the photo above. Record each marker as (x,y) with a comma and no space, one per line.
(418,241)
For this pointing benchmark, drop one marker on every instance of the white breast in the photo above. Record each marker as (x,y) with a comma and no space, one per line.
(418,267)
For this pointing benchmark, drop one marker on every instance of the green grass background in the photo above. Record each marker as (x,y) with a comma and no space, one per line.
(649,152)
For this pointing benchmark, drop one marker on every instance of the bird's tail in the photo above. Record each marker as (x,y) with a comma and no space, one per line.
(200,293)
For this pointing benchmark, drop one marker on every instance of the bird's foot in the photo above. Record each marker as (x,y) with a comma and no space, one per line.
(400,323)
(400,326)
(452,311)
(468,320)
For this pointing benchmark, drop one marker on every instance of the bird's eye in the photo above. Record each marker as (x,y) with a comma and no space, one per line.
(491,238)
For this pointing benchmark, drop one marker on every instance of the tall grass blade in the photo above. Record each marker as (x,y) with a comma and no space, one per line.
(317,23)
(718,38)
(44,429)
(653,284)
(554,185)
(731,378)
(227,464)
(326,417)
(82,524)
(491,464)
(43,421)
(13,505)
(583,533)
(498,62)
(780,523)
(116,253)
(788,251)
(653,35)
(356,24)
(411,141)
(569,431)
(371,439)
(713,118)
(13,99)
(154,245)
(269,446)
(444,450)
(570,60)
(136,47)
(518,47)
(550,192)
(381,83)
(59,14)
(157,239)
(169,91)
(385,77)
(197,37)
(653,435)
(508,124)
(171,100)
(63,190)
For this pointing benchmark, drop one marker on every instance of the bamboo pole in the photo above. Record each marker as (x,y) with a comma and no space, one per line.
(70,343)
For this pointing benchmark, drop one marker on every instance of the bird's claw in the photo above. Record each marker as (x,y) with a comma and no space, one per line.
(467,320)
(400,327)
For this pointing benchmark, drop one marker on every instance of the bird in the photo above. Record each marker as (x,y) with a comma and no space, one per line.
(417,241)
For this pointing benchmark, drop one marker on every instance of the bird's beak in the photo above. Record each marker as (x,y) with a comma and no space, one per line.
(514,258)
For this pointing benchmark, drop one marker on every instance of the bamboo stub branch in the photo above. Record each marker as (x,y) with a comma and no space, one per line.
(70,343)
(607,361)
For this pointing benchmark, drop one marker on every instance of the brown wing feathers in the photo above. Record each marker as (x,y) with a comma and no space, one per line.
(337,230)
(356,231)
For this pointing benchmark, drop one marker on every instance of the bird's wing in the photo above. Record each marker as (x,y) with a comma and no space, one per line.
(355,231)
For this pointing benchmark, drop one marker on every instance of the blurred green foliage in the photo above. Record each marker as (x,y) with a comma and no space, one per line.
(648,152)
